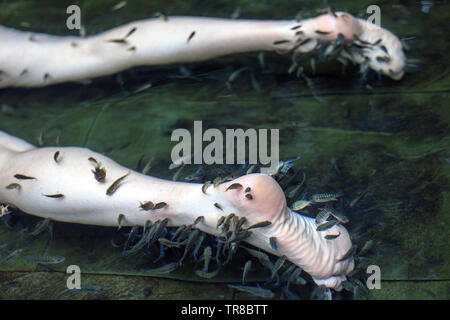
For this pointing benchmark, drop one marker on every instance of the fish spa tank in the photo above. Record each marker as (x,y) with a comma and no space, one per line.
(224,150)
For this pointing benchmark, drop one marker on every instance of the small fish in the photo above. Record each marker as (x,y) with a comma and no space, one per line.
(255,291)
(260,225)
(281,42)
(327,225)
(339,216)
(233,248)
(299,281)
(205,186)
(198,220)
(191,36)
(177,174)
(207,275)
(288,271)
(179,231)
(312,62)
(120,218)
(143,88)
(13,186)
(382,47)
(131,236)
(218,206)
(56,196)
(278,264)
(322,32)
(249,196)
(322,216)
(217,181)
(293,192)
(99,173)
(304,42)
(377,42)
(273,243)
(247,268)
(331,12)
(325,197)
(145,239)
(56,156)
(162,16)
(236,13)
(4,210)
(340,40)
(241,223)
(7,109)
(40,226)
(226,223)
(159,205)
(234,186)
(235,74)
(261,61)
(168,268)
(207,258)
(328,50)
(262,257)
(23,177)
(198,245)
(220,222)
(288,164)
(11,255)
(292,68)
(251,169)
(117,40)
(92,159)
(366,248)
(116,185)
(119,5)
(146,206)
(332,236)
(383,59)
(45,259)
(133,30)
(190,242)
(169,243)
(348,254)
(301,204)
(242,235)
(294,275)
(147,224)
(159,230)
(196,176)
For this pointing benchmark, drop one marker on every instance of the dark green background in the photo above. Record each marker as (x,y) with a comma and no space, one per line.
(391,137)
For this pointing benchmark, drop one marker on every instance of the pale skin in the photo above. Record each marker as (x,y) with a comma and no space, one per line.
(30,59)
(83,199)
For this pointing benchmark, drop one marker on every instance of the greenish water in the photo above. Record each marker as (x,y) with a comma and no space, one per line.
(390,138)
